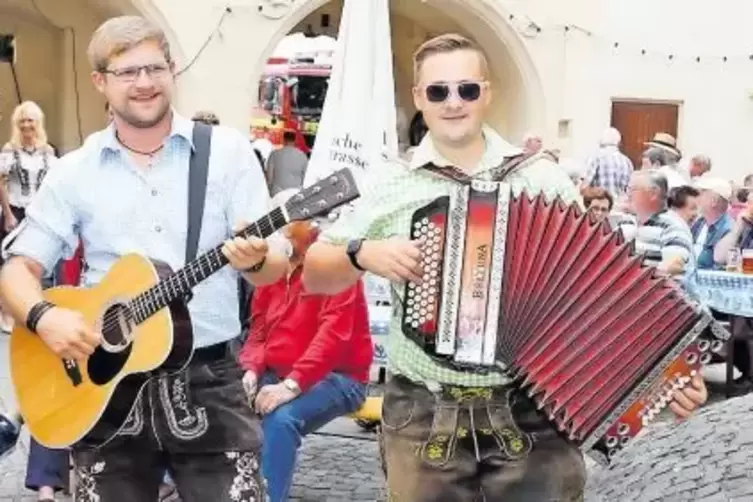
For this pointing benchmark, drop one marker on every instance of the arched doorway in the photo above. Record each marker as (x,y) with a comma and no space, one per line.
(519,96)
(51,66)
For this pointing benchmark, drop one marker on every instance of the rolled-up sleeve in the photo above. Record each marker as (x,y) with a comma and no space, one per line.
(49,231)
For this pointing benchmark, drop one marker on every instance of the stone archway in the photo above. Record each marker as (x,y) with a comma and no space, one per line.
(519,94)
(52,67)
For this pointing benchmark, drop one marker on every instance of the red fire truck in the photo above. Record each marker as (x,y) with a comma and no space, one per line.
(291,98)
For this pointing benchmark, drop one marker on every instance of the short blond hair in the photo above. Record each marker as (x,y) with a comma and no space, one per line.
(443,44)
(120,34)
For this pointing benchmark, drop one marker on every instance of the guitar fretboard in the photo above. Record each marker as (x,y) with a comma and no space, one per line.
(179,284)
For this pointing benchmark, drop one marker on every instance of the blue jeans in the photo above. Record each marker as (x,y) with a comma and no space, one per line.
(332,397)
(46,467)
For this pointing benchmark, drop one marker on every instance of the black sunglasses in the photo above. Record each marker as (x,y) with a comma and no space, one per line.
(467,91)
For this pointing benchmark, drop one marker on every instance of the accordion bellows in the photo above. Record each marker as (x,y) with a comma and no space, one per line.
(596,338)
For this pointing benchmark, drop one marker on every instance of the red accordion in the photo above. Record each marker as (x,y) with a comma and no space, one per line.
(596,338)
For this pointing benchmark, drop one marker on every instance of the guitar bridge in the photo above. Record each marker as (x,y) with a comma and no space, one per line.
(73,371)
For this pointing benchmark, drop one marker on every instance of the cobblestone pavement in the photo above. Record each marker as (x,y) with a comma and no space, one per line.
(338,469)
(706,459)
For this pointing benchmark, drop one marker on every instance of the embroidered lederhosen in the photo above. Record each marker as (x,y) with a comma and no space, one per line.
(21,175)
(480,416)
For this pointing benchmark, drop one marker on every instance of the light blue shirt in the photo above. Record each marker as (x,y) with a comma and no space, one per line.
(98,194)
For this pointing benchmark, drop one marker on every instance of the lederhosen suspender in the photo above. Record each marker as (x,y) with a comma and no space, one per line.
(496,174)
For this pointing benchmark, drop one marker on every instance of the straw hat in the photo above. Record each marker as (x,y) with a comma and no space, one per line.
(666,142)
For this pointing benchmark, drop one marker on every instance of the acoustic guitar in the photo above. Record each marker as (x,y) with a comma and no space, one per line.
(140,309)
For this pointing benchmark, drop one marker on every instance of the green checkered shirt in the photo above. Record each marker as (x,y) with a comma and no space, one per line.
(392,192)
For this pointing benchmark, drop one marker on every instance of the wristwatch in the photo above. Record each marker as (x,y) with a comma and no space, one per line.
(354,246)
(292,386)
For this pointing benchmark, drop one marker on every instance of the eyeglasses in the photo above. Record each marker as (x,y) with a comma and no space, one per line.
(598,209)
(637,189)
(467,91)
(132,73)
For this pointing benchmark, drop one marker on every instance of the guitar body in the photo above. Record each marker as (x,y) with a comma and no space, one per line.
(139,307)
(89,400)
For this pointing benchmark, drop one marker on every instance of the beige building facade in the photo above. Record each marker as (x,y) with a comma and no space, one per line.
(566,69)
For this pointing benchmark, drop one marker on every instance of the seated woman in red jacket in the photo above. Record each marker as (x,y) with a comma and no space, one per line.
(308,355)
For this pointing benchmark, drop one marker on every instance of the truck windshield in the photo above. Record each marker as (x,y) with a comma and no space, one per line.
(308,95)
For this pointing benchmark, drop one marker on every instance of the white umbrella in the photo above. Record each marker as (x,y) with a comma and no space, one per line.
(358,119)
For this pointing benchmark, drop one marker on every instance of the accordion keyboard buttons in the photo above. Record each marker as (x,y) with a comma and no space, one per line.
(421,305)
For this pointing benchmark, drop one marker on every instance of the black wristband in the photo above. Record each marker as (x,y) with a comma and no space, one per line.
(255,268)
(35,314)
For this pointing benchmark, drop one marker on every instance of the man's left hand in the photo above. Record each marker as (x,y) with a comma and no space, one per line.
(685,401)
(272,396)
(244,253)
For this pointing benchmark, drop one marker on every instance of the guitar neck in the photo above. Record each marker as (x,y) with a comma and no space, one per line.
(179,284)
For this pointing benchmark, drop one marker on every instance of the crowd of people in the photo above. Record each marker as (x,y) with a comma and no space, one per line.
(228,427)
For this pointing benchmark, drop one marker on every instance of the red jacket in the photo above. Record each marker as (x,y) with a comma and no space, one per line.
(305,336)
(70,270)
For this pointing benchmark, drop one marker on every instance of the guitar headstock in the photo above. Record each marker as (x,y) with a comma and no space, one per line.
(323,196)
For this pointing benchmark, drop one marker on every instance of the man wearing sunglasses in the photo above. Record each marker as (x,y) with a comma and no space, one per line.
(487,448)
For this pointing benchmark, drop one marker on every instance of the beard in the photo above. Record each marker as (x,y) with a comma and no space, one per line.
(130,117)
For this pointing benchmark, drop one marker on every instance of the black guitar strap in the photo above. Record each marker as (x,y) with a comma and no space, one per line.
(198,169)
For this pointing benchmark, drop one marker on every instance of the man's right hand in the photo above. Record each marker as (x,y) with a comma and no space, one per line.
(397,259)
(67,333)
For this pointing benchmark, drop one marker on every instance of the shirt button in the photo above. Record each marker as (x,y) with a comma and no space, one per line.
(157,228)
(154,192)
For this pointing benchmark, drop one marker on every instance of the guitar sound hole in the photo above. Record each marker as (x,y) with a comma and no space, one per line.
(117,326)
(103,366)
(117,331)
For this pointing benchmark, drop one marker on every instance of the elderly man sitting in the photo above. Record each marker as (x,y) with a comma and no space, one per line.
(715,222)
(662,235)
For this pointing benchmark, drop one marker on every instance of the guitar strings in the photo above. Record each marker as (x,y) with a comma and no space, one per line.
(137,308)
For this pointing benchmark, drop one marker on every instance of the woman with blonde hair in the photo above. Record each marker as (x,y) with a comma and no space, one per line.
(24,162)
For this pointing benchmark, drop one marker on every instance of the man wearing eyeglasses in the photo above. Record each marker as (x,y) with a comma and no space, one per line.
(449,435)
(124,191)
